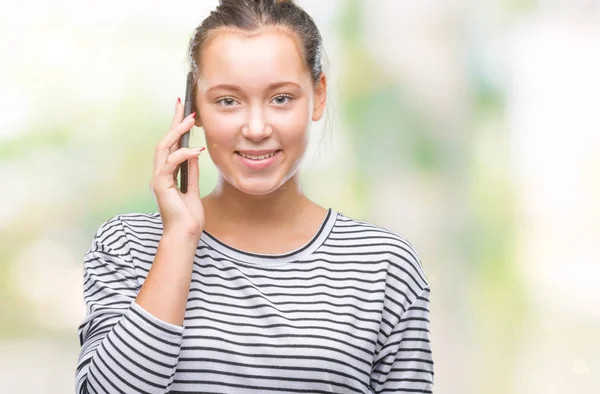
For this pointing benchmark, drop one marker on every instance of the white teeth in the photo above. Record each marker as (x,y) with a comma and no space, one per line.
(257,157)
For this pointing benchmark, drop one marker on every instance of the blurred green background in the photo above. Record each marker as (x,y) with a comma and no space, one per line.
(472,128)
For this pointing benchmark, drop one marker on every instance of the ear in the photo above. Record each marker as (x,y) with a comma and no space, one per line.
(320,97)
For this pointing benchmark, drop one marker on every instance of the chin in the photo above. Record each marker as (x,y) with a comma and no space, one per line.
(257,186)
(258,183)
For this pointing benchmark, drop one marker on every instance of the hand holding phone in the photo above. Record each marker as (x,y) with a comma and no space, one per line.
(181,212)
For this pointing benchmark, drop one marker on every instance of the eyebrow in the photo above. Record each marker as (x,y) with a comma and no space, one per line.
(238,89)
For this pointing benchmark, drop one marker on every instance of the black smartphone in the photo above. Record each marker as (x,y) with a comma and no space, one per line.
(184,141)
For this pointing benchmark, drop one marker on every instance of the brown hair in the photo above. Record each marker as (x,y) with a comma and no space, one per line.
(251,16)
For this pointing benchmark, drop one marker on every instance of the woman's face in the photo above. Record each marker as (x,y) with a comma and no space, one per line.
(256,101)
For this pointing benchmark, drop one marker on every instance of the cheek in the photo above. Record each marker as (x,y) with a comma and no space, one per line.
(293,125)
(220,129)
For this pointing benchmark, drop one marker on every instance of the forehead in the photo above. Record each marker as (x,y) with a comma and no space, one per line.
(237,57)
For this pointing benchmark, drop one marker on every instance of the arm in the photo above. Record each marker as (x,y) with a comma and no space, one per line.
(124,346)
(404,364)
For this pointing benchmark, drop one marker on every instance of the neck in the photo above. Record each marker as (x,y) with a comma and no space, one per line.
(231,205)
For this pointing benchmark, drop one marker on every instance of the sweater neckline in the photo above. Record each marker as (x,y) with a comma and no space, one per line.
(259,258)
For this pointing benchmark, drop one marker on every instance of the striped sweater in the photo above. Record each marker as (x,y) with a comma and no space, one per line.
(346,313)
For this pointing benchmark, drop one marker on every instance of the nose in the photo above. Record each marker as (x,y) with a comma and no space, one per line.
(256,128)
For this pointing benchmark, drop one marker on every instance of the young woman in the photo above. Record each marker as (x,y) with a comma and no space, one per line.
(254,288)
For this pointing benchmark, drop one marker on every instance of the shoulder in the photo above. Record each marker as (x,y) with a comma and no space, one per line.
(129,222)
(128,239)
(358,233)
(378,245)
(124,228)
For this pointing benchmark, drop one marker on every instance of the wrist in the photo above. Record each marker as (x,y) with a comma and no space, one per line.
(182,238)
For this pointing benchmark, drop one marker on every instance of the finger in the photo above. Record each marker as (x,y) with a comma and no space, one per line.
(167,173)
(178,116)
(177,170)
(160,156)
(194,172)
(175,133)
(163,148)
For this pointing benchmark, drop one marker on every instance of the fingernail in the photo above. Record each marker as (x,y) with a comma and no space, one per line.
(192,115)
(197,150)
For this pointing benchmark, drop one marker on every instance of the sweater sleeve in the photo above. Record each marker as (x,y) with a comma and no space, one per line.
(405,364)
(124,349)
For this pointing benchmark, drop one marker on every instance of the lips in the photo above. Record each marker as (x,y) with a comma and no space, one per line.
(257,154)
(258,160)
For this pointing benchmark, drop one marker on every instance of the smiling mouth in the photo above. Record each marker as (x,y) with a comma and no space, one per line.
(258,157)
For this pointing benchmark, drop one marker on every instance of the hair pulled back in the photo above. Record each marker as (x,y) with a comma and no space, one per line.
(253,15)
